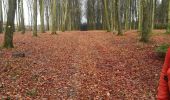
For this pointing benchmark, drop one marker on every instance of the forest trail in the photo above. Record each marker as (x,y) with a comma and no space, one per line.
(93,65)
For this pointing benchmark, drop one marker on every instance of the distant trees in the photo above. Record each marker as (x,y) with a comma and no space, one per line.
(111,15)
(47,10)
(30,13)
(8,37)
(20,17)
(123,15)
(91,15)
(65,15)
(162,11)
(127,13)
(104,15)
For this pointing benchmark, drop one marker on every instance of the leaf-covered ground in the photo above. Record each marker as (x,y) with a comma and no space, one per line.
(93,65)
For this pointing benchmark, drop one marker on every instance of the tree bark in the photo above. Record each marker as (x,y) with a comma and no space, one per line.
(41,3)
(1,17)
(47,18)
(168,27)
(65,12)
(127,15)
(153,13)
(8,37)
(146,25)
(54,9)
(22,18)
(35,18)
(120,32)
(106,15)
(140,15)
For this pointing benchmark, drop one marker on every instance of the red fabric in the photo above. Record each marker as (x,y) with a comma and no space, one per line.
(164,86)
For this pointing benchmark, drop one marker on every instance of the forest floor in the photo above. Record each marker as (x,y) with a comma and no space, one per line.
(93,65)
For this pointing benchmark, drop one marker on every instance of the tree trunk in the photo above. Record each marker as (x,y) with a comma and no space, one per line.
(1,17)
(168,27)
(41,3)
(111,15)
(47,18)
(35,18)
(54,9)
(153,14)
(65,9)
(120,32)
(18,15)
(127,15)
(146,25)
(140,15)
(8,37)
(69,16)
(22,18)
(106,15)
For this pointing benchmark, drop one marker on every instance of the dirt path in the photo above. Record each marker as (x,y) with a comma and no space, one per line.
(91,65)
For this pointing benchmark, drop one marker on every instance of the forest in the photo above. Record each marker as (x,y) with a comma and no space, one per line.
(82,49)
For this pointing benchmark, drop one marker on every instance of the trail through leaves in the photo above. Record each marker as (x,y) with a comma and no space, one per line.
(76,65)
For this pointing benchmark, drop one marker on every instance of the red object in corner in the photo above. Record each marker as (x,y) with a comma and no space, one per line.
(164,82)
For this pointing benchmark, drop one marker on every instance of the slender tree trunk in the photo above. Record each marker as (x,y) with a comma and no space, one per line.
(29,4)
(136,15)
(168,28)
(153,13)
(35,18)
(111,15)
(120,32)
(54,9)
(22,18)
(19,16)
(114,18)
(1,17)
(127,15)
(65,11)
(69,16)
(47,18)
(106,15)
(8,37)
(58,17)
(130,15)
(140,15)
(41,3)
